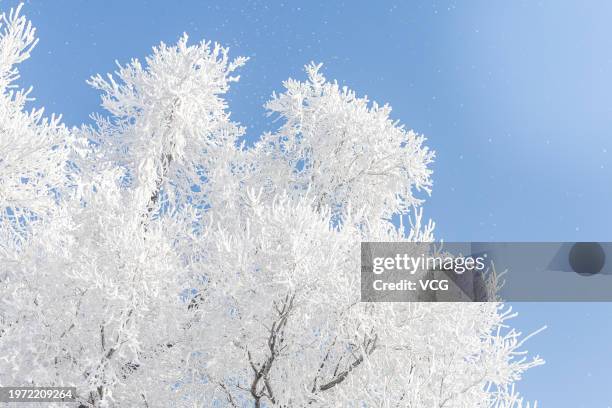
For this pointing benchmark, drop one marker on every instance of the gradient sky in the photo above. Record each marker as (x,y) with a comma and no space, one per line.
(515,97)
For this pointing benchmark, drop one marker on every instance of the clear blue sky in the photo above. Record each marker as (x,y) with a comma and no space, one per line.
(515,97)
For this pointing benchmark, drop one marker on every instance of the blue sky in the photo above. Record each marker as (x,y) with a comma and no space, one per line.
(515,97)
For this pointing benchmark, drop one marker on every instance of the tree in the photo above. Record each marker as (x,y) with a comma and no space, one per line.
(177,267)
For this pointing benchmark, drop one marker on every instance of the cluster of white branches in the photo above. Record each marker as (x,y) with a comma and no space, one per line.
(32,147)
(151,260)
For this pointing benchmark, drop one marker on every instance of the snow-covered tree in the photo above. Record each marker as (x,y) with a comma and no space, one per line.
(177,267)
